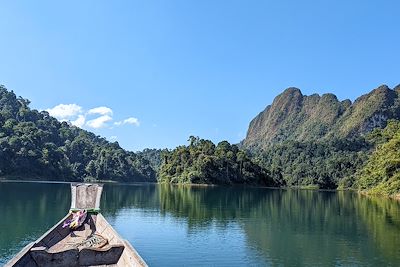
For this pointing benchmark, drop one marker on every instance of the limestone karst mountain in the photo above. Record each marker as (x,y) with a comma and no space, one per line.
(294,116)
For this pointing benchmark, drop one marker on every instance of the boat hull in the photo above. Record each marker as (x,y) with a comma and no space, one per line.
(58,247)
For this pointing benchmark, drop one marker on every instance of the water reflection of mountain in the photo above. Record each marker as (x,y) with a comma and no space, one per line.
(287,227)
(310,229)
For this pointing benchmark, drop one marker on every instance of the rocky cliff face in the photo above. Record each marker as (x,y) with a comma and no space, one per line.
(294,116)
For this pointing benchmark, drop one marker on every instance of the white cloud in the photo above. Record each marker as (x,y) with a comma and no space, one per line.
(101,111)
(64,111)
(79,122)
(78,117)
(99,122)
(131,120)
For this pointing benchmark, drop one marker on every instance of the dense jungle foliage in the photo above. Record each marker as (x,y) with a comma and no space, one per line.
(36,145)
(204,163)
(381,174)
(324,164)
(153,156)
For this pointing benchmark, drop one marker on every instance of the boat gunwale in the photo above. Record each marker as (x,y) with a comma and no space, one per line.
(28,247)
(125,242)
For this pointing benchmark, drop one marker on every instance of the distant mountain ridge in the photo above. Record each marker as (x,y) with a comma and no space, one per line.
(297,117)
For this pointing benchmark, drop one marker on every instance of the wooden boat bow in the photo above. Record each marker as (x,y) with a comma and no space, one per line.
(64,247)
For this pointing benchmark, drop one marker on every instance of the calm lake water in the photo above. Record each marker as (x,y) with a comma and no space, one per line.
(219,226)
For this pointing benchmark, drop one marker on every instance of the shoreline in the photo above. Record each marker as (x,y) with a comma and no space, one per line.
(310,188)
(7,180)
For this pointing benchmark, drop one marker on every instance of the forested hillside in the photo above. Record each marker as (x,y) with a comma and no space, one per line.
(322,142)
(36,145)
(202,162)
(325,164)
(381,174)
(153,156)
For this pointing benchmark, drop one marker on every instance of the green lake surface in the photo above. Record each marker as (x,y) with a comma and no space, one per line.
(219,226)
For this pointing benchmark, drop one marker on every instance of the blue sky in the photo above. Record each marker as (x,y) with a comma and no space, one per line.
(152,73)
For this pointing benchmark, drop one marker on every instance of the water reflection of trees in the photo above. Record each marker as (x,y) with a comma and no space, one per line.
(28,210)
(293,227)
(122,196)
(320,228)
(382,220)
(198,205)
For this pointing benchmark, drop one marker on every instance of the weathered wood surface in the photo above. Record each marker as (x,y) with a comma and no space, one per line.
(93,257)
(129,257)
(86,196)
(23,258)
(66,258)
